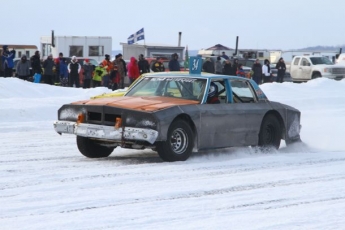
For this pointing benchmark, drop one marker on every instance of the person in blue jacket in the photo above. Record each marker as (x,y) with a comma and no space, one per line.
(7,61)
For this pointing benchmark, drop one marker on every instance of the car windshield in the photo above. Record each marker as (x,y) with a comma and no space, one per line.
(321,61)
(188,88)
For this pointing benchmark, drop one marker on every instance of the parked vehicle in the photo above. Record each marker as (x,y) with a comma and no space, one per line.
(304,68)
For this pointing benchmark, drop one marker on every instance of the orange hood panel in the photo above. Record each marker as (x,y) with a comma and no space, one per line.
(139,103)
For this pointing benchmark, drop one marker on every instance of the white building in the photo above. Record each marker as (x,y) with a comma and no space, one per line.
(151,50)
(80,46)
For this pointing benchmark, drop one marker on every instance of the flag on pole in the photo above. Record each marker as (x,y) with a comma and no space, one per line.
(139,35)
(186,59)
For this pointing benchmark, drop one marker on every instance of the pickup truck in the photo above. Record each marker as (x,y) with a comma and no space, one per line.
(304,68)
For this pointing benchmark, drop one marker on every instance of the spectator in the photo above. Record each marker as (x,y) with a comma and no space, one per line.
(144,66)
(218,66)
(208,66)
(74,70)
(234,67)
(23,68)
(108,66)
(7,61)
(226,57)
(257,72)
(36,66)
(281,67)
(120,70)
(266,71)
(227,69)
(174,65)
(87,72)
(48,73)
(158,66)
(133,70)
(98,75)
(240,72)
(62,70)
(124,64)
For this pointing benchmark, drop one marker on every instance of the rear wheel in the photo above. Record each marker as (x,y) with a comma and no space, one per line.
(91,149)
(270,133)
(179,143)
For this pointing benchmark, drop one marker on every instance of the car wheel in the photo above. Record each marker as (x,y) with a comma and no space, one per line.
(270,133)
(90,149)
(179,143)
(316,75)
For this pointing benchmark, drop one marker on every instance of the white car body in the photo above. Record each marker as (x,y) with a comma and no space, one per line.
(304,68)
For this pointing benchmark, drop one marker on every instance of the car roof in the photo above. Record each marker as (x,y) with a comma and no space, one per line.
(203,75)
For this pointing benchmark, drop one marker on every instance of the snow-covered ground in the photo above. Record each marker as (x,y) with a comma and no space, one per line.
(46,183)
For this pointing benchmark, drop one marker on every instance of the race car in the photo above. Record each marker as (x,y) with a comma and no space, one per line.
(171,113)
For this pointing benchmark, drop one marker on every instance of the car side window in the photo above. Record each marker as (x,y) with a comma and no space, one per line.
(242,92)
(221,91)
(304,62)
(296,61)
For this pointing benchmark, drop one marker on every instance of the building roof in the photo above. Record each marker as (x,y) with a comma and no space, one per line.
(152,45)
(219,47)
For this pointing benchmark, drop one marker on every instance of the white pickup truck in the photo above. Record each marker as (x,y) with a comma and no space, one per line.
(304,68)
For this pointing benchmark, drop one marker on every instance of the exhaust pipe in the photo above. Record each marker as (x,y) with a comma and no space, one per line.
(179,38)
(235,54)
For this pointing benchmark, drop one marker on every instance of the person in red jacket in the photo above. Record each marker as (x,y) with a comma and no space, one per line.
(133,70)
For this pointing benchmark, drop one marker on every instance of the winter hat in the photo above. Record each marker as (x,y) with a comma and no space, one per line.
(4,47)
(87,60)
(74,58)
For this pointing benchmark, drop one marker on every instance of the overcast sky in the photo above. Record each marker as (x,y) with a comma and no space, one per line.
(260,24)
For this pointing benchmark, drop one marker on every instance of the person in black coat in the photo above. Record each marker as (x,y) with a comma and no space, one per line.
(208,66)
(143,64)
(227,68)
(234,67)
(174,65)
(281,67)
(257,72)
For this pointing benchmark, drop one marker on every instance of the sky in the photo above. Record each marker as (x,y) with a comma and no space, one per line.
(46,183)
(265,24)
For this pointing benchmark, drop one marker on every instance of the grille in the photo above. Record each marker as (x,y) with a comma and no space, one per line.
(92,116)
(338,71)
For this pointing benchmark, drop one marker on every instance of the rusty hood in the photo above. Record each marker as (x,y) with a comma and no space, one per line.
(152,103)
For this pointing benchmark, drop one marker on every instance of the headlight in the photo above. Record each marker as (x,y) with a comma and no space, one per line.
(327,70)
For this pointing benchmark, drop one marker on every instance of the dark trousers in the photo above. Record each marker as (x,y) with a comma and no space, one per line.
(115,86)
(74,79)
(267,78)
(8,72)
(280,78)
(257,79)
(96,83)
(48,79)
(86,83)
(25,78)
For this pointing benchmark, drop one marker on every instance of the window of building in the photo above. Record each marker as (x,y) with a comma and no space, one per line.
(261,54)
(27,53)
(76,51)
(20,54)
(96,51)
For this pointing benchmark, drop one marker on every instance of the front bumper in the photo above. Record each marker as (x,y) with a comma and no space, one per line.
(106,132)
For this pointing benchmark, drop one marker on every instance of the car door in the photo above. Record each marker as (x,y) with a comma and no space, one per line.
(222,125)
(296,70)
(305,65)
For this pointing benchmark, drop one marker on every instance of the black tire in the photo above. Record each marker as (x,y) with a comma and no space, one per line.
(179,143)
(270,133)
(90,149)
(316,75)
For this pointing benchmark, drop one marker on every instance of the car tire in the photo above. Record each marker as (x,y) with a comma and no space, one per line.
(179,143)
(316,75)
(90,149)
(270,133)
